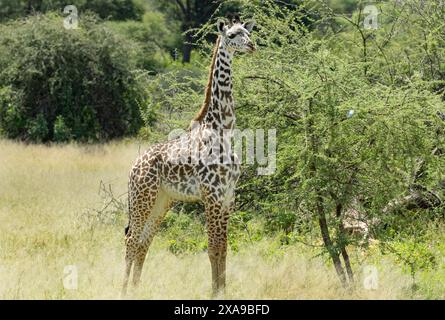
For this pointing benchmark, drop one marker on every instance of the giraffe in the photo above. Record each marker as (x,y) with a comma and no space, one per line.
(196,166)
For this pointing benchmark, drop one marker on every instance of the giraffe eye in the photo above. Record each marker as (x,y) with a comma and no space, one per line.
(231,36)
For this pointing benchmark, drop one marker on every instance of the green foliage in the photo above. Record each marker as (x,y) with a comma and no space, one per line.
(185,234)
(105,9)
(415,255)
(177,91)
(37,128)
(153,35)
(192,15)
(322,151)
(279,219)
(11,120)
(244,228)
(114,9)
(354,118)
(81,84)
(343,6)
(62,132)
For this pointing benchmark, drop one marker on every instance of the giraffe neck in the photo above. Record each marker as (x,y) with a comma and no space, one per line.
(220,113)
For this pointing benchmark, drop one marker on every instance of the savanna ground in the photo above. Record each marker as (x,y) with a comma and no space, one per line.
(53,215)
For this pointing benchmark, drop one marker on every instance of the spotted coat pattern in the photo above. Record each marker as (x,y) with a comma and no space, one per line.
(197,166)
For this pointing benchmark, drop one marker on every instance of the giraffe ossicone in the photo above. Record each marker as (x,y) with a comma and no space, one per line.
(198,165)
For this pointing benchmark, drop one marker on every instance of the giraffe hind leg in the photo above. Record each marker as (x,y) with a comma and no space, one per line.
(128,266)
(142,193)
(149,212)
(151,227)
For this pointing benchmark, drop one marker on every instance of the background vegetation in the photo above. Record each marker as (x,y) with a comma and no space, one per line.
(359,114)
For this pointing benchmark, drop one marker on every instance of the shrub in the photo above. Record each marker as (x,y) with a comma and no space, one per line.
(37,128)
(61,132)
(156,38)
(105,9)
(183,233)
(81,84)
(11,120)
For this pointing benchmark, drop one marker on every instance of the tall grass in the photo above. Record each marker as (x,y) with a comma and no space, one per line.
(45,195)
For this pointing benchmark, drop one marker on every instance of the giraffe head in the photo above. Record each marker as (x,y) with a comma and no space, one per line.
(236,35)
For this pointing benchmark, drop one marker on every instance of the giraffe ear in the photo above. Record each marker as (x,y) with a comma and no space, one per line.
(248,25)
(221,26)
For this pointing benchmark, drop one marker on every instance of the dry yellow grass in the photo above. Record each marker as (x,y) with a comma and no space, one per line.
(44,191)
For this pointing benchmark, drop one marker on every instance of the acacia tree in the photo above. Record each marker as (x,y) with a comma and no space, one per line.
(352,127)
(350,137)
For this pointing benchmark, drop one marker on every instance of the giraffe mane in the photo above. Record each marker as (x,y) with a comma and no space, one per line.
(208,91)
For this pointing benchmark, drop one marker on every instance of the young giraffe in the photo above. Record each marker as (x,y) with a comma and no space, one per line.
(190,168)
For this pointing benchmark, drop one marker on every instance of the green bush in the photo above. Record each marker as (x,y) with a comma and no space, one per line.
(105,9)
(174,96)
(80,84)
(11,120)
(183,233)
(113,9)
(61,131)
(154,38)
(37,128)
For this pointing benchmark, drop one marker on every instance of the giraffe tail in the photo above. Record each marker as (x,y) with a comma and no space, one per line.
(127,228)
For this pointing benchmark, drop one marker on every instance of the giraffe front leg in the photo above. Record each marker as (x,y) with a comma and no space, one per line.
(217,221)
(217,255)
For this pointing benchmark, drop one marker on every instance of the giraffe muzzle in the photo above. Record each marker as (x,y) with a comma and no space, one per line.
(251,47)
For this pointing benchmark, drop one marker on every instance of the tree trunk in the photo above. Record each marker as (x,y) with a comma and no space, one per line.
(343,250)
(187,48)
(319,206)
(328,242)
